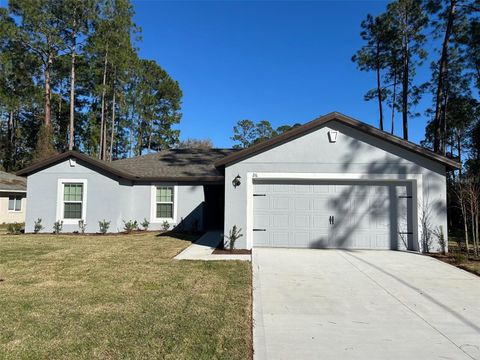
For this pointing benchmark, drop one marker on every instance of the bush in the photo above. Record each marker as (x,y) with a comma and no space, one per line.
(130,226)
(82,226)
(145,224)
(103,225)
(15,228)
(233,236)
(165,225)
(438,232)
(37,227)
(57,227)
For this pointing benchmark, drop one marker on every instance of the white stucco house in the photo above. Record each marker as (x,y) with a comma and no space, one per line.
(334,182)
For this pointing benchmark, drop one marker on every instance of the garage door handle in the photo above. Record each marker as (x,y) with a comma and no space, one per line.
(333,220)
(330,220)
(259,229)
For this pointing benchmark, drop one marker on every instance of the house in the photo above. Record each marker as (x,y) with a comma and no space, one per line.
(13,190)
(334,182)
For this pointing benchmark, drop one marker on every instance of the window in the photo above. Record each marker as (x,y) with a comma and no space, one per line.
(72,201)
(164,202)
(14,203)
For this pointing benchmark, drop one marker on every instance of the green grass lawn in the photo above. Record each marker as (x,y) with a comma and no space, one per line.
(119,297)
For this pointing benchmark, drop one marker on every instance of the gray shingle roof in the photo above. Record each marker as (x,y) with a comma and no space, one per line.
(10,182)
(173,163)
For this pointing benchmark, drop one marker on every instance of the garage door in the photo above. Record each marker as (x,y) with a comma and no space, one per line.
(352,215)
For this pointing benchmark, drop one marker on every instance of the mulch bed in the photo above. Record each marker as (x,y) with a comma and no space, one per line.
(232,252)
(470,265)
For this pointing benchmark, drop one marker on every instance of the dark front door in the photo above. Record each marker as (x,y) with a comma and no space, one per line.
(214,206)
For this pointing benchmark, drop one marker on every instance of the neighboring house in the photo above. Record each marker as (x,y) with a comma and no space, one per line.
(334,182)
(13,190)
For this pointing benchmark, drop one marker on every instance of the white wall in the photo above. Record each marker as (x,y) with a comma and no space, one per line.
(354,153)
(107,197)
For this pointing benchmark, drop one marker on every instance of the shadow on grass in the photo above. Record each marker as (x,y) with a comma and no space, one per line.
(190,237)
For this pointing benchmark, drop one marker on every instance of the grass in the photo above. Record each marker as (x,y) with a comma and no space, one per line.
(119,297)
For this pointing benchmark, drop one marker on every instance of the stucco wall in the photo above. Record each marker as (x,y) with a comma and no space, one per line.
(353,153)
(107,197)
(7,216)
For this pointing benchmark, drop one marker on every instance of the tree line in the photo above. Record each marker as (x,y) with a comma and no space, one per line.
(396,44)
(71,78)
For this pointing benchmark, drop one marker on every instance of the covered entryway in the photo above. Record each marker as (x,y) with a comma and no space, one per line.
(349,214)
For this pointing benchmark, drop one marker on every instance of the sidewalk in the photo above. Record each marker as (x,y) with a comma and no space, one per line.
(203,248)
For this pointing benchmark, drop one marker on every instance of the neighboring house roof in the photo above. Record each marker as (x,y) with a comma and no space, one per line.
(346,120)
(184,165)
(10,182)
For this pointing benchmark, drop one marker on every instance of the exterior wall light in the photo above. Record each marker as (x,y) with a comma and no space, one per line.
(332,136)
(236,181)
(73,162)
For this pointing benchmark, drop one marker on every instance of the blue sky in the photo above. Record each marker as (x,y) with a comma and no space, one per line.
(285,62)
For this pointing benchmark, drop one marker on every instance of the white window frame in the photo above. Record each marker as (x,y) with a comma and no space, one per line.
(61,203)
(153,202)
(21,204)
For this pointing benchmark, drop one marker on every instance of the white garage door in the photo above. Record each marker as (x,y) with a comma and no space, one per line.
(351,215)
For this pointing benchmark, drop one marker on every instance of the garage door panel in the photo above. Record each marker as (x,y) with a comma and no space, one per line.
(280,220)
(320,221)
(302,221)
(261,221)
(262,202)
(280,203)
(299,215)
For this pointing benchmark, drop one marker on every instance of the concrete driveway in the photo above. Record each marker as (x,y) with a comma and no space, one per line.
(333,304)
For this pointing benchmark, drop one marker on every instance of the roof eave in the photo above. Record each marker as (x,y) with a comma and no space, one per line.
(321,121)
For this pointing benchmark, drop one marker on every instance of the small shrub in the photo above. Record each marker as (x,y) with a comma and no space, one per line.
(233,236)
(460,258)
(165,225)
(15,228)
(37,226)
(82,226)
(145,224)
(438,233)
(130,226)
(57,227)
(104,225)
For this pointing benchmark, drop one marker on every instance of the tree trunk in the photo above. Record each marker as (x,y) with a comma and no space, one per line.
(443,144)
(8,163)
(72,88)
(443,67)
(394,96)
(47,95)
(463,207)
(406,58)
(140,138)
(379,86)
(459,149)
(105,134)
(112,133)
(102,115)
(472,218)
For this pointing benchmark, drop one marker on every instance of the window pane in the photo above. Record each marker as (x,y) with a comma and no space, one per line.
(164,210)
(72,211)
(72,192)
(165,194)
(18,203)
(11,203)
